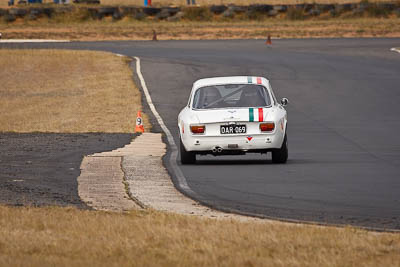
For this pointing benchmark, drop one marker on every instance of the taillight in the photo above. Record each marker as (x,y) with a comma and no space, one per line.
(198,129)
(267,127)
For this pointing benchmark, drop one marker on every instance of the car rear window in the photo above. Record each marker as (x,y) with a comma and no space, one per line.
(231,95)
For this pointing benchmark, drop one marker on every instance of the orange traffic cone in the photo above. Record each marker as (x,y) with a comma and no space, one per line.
(139,123)
(268,42)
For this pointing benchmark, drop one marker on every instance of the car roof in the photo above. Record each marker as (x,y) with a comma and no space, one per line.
(230,80)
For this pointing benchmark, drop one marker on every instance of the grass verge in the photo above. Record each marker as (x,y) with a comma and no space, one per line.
(67,237)
(67,91)
(128,29)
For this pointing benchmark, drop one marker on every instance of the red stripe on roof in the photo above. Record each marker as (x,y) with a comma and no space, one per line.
(260,114)
(258,80)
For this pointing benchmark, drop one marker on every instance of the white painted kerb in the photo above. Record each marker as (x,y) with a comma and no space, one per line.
(174,150)
(395,50)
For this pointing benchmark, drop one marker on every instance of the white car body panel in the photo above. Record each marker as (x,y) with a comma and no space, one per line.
(252,141)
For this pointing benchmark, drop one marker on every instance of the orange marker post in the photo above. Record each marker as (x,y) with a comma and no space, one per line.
(154,36)
(139,123)
(268,42)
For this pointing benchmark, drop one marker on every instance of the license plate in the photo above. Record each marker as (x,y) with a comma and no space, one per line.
(233,129)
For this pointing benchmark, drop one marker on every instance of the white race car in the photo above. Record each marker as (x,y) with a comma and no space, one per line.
(233,116)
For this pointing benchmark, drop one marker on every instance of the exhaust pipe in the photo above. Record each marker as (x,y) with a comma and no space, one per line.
(217,149)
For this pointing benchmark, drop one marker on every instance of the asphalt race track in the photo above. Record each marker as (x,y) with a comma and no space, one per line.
(344,149)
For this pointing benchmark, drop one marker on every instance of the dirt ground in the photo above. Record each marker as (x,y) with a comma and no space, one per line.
(41,168)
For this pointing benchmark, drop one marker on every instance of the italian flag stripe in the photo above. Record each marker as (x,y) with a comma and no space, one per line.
(260,116)
(249,80)
(251,114)
(258,80)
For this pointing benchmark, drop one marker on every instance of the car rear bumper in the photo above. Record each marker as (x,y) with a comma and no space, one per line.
(233,144)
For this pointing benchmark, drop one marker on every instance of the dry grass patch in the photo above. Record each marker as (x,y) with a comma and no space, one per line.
(127,29)
(3,3)
(67,237)
(67,91)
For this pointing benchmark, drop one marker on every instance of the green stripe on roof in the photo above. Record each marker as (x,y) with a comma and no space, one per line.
(249,79)
(251,114)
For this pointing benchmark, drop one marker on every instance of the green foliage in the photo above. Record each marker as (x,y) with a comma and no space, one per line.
(375,10)
(397,12)
(72,16)
(197,13)
(254,15)
(294,13)
(140,16)
(9,18)
(82,15)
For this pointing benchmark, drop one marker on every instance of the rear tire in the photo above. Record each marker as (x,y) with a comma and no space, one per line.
(187,157)
(281,155)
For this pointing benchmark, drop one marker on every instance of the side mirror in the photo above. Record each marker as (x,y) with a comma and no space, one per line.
(284,101)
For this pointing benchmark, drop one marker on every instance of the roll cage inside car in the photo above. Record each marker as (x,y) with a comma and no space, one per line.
(222,96)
